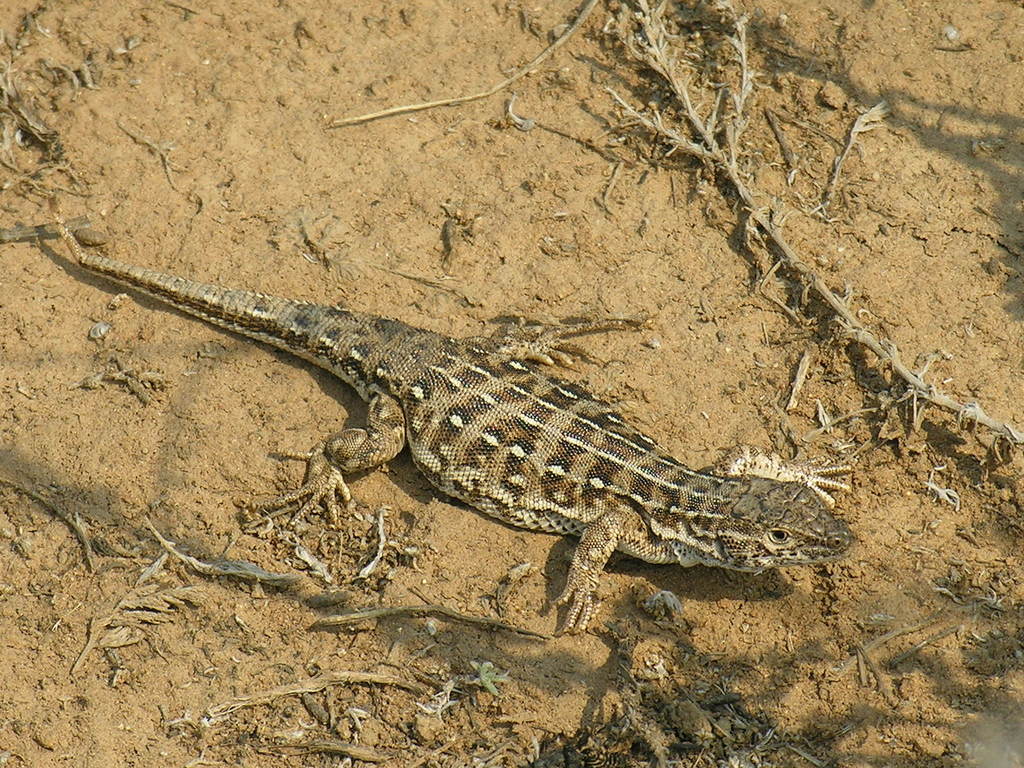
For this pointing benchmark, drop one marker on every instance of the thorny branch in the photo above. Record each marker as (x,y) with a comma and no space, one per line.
(649,42)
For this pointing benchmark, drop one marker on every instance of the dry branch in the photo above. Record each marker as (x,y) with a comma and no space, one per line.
(355,617)
(649,43)
(308,685)
(455,100)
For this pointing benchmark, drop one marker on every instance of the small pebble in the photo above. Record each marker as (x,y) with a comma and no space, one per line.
(832,96)
(99,330)
(951,33)
(663,605)
(692,720)
(427,728)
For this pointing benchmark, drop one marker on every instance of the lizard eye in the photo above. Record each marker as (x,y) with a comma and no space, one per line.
(778,536)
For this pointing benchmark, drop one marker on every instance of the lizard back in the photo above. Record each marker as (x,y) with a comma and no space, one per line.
(487,427)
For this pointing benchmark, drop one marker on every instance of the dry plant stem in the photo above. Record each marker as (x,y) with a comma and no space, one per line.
(309,685)
(22,233)
(160,150)
(238,569)
(654,52)
(813,761)
(434,753)
(344,619)
(137,608)
(787,154)
(800,377)
(881,682)
(327,747)
(91,638)
(899,658)
(864,122)
(881,640)
(74,522)
(455,100)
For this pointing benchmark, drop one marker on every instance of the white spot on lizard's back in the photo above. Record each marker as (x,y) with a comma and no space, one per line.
(529,420)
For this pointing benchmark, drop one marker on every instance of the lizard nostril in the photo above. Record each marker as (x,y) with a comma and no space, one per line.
(841,540)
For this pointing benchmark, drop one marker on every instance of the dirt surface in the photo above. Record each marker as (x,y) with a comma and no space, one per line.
(194,138)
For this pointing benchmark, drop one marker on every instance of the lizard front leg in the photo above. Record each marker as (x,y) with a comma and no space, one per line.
(619,528)
(344,452)
(820,478)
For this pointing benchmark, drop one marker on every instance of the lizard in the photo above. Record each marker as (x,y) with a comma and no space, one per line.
(487,425)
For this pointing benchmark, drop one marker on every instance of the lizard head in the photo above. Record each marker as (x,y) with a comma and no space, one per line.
(752,523)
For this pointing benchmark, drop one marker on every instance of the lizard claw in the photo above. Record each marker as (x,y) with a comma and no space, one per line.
(819,478)
(582,605)
(322,486)
(549,345)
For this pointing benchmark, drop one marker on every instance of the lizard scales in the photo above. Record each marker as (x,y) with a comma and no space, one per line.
(484,424)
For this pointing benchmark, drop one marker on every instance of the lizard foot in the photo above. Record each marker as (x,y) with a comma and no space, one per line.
(548,345)
(582,604)
(820,478)
(322,486)
(597,542)
(344,452)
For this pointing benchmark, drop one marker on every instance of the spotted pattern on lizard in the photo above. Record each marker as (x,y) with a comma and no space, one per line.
(486,424)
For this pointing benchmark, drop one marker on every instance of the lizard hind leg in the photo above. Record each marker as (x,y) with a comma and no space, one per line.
(340,454)
(548,344)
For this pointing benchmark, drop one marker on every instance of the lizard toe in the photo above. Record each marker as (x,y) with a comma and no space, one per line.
(582,604)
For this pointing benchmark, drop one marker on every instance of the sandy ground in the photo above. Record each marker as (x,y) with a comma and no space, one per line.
(194,138)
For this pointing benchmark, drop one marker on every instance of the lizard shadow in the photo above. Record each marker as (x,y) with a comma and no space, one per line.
(698,583)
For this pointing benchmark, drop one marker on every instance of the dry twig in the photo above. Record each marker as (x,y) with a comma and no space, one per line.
(865,122)
(649,42)
(787,154)
(800,377)
(23,234)
(455,100)
(238,569)
(161,150)
(74,522)
(354,617)
(309,685)
(327,747)
(881,640)
(145,605)
(933,638)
